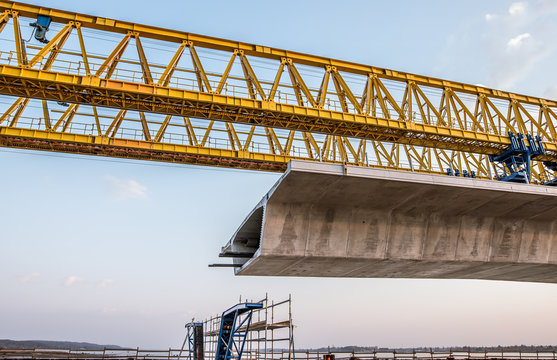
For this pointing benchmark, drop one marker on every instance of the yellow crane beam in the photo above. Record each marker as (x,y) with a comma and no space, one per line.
(400,120)
(175,36)
(229,145)
(152,32)
(90,90)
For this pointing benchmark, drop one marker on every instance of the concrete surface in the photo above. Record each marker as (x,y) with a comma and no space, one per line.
(327,220)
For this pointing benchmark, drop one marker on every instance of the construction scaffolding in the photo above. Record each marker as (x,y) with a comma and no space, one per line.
(270,335)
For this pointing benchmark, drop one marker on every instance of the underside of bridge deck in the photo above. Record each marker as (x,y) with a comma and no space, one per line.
(327,220)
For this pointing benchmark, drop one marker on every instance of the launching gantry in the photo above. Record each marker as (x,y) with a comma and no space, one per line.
(91,85)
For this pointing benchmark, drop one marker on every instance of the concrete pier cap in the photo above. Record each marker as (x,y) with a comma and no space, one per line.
(329,220)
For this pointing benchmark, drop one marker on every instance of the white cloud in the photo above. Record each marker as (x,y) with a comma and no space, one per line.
(518,8)
(122,189)
(73,280)
(490,17)
(28,277)
(104,283)
(517,41)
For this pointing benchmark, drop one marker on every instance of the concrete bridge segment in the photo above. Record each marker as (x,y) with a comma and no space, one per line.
(327,220)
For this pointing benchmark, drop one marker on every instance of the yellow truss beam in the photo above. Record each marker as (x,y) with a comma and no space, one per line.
(88,90)
(123,27)
(410,129)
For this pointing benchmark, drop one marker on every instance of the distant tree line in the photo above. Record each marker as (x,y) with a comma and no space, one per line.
(45,344)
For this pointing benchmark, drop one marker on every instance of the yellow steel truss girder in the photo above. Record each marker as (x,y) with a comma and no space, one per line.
(342,88)
(253,139)
(147,150)
(397,122)
(138,149)
(123,27)
(151,98)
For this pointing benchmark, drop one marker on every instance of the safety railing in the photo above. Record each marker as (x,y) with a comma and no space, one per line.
(273,354)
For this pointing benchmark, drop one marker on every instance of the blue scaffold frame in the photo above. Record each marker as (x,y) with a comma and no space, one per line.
(234,330)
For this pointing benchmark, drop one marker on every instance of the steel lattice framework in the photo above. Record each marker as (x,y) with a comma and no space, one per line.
(242,105)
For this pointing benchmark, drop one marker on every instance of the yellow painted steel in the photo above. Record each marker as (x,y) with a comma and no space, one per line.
(395,121)
(138,149)
(150,98)
(123,27)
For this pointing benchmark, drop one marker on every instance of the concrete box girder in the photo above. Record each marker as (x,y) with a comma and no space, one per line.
(330,220)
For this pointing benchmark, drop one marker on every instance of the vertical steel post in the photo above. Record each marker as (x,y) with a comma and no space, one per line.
(198,353)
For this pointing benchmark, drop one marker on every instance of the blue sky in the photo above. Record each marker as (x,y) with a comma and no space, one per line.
(116,252)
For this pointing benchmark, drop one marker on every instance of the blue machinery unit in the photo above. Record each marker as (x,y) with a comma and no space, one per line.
(516,160)
(41,27)
(234,330)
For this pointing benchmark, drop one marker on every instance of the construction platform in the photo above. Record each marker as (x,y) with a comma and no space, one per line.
(328,220)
